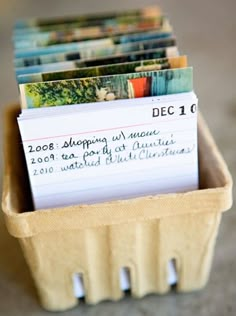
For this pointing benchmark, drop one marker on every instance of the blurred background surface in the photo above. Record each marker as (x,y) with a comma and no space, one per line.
(206,33)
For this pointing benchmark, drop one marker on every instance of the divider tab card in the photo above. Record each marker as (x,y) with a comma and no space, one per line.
(91,153)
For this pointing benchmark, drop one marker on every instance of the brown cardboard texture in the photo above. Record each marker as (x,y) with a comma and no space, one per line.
(97,240)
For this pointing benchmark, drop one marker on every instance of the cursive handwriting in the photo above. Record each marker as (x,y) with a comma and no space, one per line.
(85,143)
(157,143)
(142,134)
(117,149)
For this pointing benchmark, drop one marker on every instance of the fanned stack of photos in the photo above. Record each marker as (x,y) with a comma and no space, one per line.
(108,108)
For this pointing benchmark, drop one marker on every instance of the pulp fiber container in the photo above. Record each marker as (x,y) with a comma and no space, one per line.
(96,241)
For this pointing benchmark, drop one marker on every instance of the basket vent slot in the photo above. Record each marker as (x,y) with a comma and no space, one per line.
(125,279)
(78,285)
(172,273)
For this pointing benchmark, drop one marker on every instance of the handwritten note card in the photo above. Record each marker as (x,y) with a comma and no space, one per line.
(98,152)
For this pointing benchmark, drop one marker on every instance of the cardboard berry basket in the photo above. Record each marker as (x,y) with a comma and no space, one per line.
(97,240)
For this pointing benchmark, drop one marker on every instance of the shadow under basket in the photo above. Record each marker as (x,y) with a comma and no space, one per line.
(96,241)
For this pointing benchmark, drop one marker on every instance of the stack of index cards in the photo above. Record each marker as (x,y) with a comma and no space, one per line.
(108,108)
